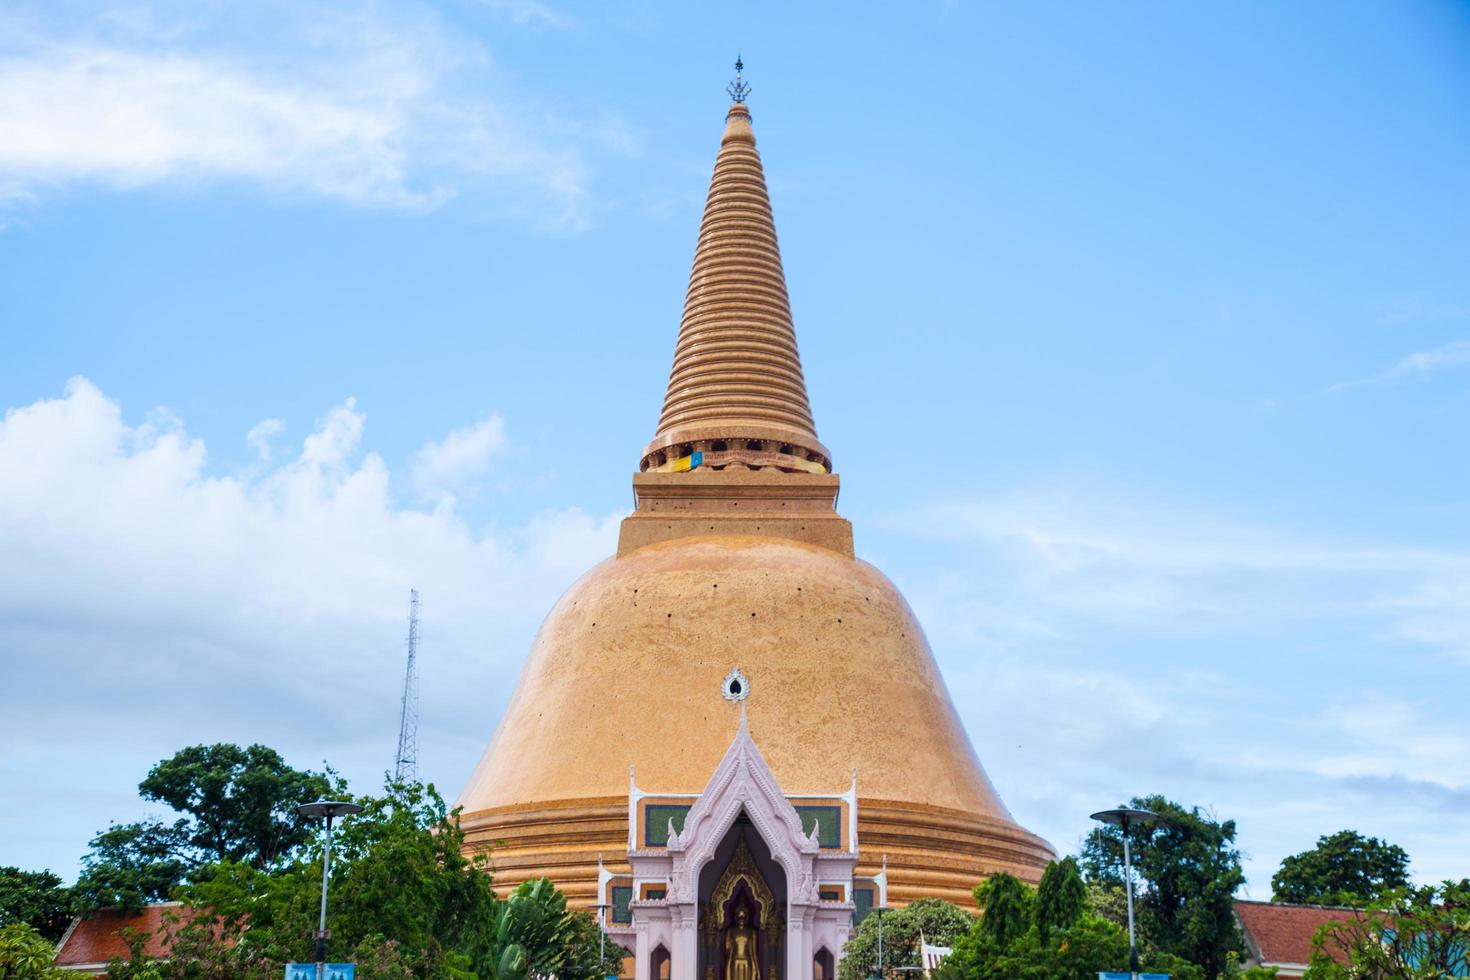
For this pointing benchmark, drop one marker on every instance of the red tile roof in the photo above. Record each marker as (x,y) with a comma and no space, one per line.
(1283,933)
(97,938)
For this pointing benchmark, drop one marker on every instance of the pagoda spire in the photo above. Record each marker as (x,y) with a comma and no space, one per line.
(736,392)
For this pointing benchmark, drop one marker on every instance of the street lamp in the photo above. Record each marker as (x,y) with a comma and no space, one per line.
(328,810)
(878,910)
(1123,818)
(601,935)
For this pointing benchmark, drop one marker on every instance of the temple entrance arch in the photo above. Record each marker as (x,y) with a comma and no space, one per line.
(743,890)
(823,965)
(742,906)
(659,962)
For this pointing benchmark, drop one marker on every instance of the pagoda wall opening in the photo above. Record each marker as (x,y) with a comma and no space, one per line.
(742,877)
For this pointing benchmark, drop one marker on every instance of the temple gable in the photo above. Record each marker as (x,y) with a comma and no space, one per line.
(743,783)
(735,882)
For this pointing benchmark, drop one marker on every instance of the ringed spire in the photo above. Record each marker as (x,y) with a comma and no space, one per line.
(736,393)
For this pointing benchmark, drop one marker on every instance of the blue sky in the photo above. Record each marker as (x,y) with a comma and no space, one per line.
(1140,334)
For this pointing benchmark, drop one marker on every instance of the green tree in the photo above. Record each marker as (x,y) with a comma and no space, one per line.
(1409,934)
(137,965)
(26,955)
(940,923)
(1078,944)
(1007,909)
(1344,868)
(405,902)
(130,865)
(1061,897)
(238,805)
(36,898)
(1190,868)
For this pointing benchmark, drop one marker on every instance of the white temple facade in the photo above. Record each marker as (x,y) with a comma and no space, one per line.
(742,881)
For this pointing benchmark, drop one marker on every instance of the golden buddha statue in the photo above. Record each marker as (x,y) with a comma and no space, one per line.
(740,959)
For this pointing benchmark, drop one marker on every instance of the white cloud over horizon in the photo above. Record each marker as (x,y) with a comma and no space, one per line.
(1100,646)
(364,105)
(149,603)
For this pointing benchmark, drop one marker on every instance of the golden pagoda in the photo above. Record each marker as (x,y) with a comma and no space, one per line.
(734,681)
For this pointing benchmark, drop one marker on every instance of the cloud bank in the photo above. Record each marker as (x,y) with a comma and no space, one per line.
(361,104)
(148,603)
(1100,647)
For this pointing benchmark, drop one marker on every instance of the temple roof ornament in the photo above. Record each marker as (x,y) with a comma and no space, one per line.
(736,686)
(738,89)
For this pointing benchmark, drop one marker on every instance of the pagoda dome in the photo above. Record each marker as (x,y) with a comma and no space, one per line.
(839,672)
(627,671)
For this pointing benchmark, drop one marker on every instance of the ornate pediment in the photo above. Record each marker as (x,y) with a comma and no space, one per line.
(743,781)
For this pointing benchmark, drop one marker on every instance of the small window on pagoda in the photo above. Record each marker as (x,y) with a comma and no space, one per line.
(827,820)
(862,898)
(656,819)
(622,895)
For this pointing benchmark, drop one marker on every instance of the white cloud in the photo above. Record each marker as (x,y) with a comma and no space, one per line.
(147,604)
(383,107)
(1453,354)
(260,436)
(447,466)
(1148,564)
(1100,647)
(1456,353)
(531,12)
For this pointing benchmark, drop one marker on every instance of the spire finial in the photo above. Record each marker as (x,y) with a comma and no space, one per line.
(738,89)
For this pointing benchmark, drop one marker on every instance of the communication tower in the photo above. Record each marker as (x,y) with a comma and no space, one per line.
(406,762)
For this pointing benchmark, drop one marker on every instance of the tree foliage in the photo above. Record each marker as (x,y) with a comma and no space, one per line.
(1008,943)
(130,865)
(1190,868)
(240,803)
(937,921)
(26,955)
(1060,898)
(1344,868)
(37,899)
(1409,934)
(405,902)
(236,805)
(1007,909)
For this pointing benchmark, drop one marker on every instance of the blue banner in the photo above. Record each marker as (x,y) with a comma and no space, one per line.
(334,971)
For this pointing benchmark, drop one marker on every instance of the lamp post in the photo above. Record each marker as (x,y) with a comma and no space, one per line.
(878,910)
(601,935)
(1123,818)
(328,810)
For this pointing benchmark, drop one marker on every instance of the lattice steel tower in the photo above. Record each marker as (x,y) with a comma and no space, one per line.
(406,762)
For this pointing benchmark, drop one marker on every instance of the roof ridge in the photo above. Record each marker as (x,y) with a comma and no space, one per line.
(1296,905)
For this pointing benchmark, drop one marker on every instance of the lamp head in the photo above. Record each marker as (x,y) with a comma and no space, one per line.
(328,808)
(1126,817)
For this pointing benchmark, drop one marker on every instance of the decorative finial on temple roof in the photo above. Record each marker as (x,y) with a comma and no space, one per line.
(738,89)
